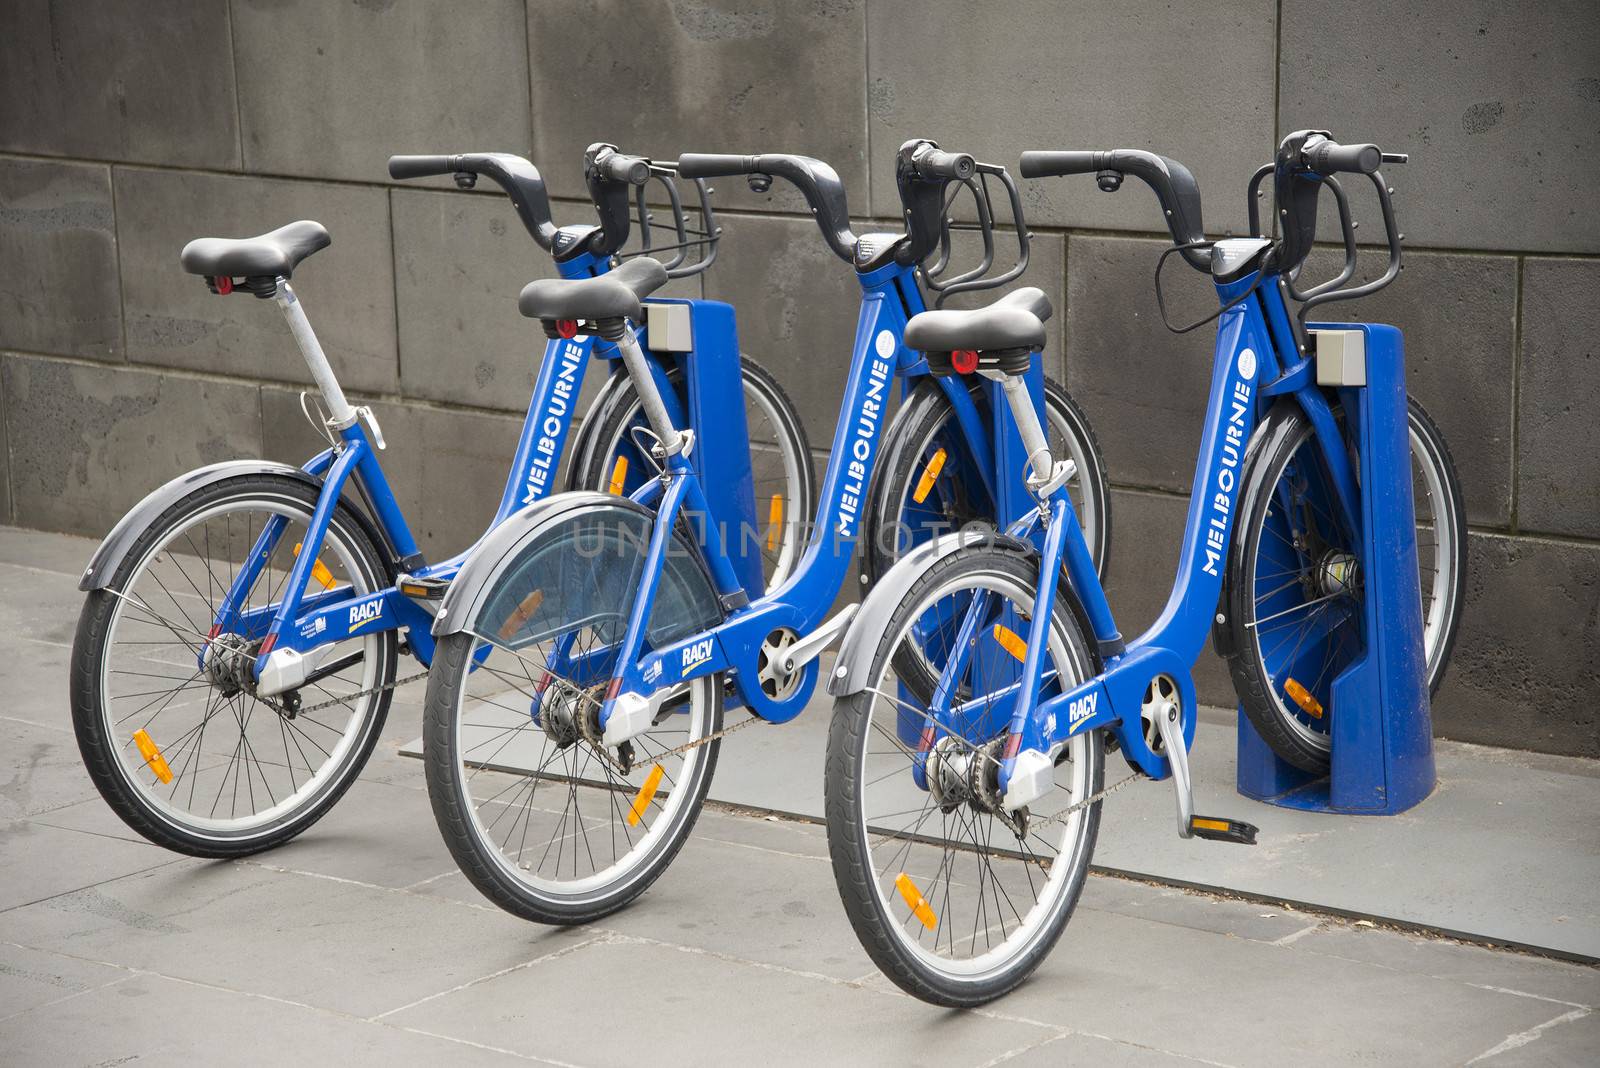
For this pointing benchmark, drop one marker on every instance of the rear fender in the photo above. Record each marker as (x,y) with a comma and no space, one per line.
(116,545)
(568,557)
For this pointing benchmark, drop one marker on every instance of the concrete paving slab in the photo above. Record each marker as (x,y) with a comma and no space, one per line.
(378,833)
(1529,812)
(31,978)
(40,770)
(710,1010)
(1569,1038)
(175,1021)
(323,931)
(1194,993)
(38,862)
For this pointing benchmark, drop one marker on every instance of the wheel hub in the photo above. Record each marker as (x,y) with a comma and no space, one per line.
(230,663)
(1338,572)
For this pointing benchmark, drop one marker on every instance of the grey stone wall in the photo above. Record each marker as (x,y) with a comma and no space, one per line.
(127,128)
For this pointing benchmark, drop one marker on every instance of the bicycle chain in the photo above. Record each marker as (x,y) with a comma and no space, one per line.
(275,706)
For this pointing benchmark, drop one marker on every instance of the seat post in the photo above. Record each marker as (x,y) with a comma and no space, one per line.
(655,410)
(340,414)
(1027,420)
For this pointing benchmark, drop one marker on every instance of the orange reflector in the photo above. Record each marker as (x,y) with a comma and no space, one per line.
(619,475)
(1011,641)
(930,474)
(521,614)
(1205,823)
(152,755)
(641,800)
(319,571)
(1302,697)
(774,521)
(913,897)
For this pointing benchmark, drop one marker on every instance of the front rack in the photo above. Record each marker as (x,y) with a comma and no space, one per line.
(933,275)
(1325,292)
(704,238)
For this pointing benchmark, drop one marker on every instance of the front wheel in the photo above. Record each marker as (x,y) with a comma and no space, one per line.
(1294,597)
(955,900)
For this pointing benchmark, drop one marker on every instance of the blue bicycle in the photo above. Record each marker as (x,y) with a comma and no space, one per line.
(962,811)
(239,643)
(567,771)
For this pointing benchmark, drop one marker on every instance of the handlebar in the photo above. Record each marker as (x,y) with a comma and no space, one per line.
(1330,157)
(1174,186)
(817,182)
(519,178)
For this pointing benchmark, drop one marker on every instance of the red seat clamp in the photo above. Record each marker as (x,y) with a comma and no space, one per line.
(965,361)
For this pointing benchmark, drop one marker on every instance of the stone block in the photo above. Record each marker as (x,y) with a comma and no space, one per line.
(701,76)
(347,289)
(1146,536)
(447,468)
(149,82)
(87,442)
(1498,106)
(1457,313)
(797,307)
(1194,82)
(1558,453)
(333,90)
(460,262)
(1528,653)
(58,273)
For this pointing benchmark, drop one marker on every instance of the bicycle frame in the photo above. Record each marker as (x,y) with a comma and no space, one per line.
(890,297)
(1249,373)
(302,621)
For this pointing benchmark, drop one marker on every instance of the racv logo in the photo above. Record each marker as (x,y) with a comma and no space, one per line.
(551,423)
(698,653)
(1081,709)
(362,614)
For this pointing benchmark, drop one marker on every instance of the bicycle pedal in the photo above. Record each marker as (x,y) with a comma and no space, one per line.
(423,589)
(1217,829)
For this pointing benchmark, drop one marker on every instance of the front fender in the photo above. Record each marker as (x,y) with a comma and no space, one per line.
(116,545)
(854,663)
(574,557)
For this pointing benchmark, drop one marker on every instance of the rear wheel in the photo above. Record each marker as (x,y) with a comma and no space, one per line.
(957,901)
(543,817)
(1295,602)
(166,718)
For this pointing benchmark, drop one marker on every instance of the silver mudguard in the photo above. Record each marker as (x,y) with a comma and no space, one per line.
(854,662)
(109,556)
(541,548)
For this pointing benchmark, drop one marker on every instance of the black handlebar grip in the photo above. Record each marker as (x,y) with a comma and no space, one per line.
(634,170)
(401,167)
(1330,157)
(1048,164)
(934,163)
(714,165)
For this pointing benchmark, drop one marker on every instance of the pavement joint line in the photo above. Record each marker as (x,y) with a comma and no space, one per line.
(1011,1054)
(552,955)
(65,997)
(1293,937)
(533,1057)
(430,879)
(43,641)
(1526,994)
(619,938)
(91,886)
(74,575)
(45,726)
(762,849)
(1533,1034)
